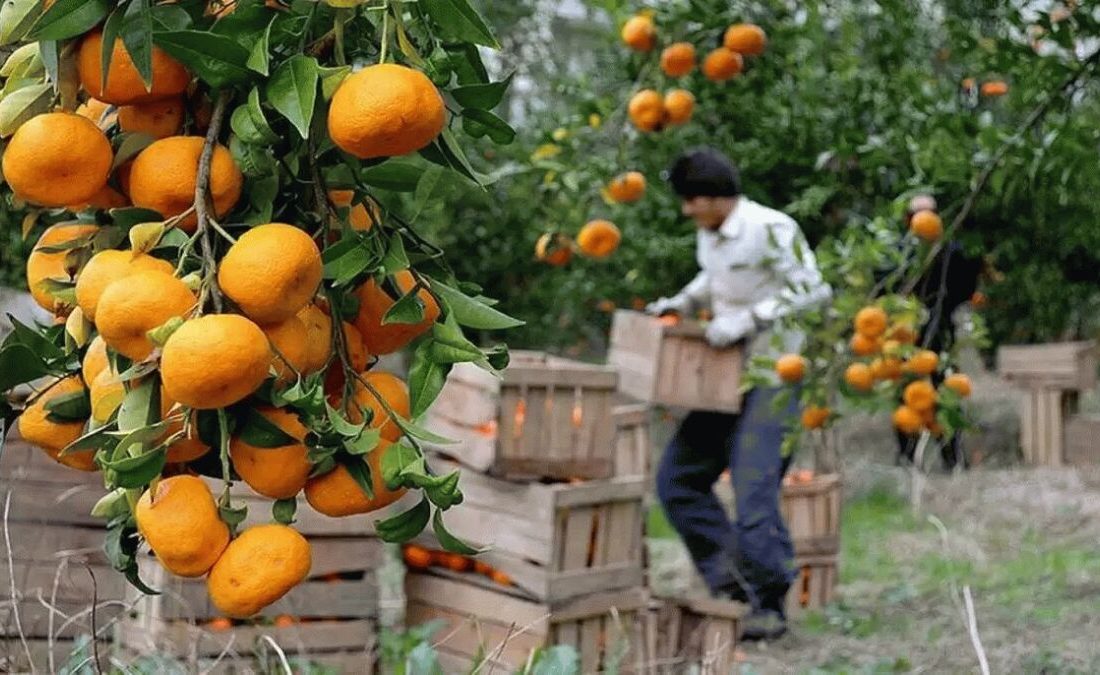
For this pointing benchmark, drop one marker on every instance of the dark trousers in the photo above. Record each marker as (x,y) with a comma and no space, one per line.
(753,557)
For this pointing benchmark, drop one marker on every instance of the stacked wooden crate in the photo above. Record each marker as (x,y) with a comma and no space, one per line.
(1052,377)
(553,482)
(810,505)
(696,635)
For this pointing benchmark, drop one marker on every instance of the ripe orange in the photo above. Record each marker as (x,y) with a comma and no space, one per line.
(289,348)
(647,110)
(257,568)
(968,83)
(598,238)
(109,266)
(136,304)
(994,88)
(358,356)
(360,219)
(375,301)
(745,38)
(214,361)
(482,568)
(57,159)
(455,562)
(95,359)
(979,300)
(791,368)
(278,473)
(679,106)
(678,59)
(920,396)
(926,225)
(814,417)
(500,578)
(722,64)
(106,198)
(627,187)
(318,337)
(105,392)
(124,83)
(902,334)
(417,557)
(392,390)
(42,265)
(907,420)
(958,383)
(923,362)
(871,322)
(385,110)
(554,249)
(163,178)
(639,33)
(888,368)
(864,346)
(52,437)
(336,493)
(159,119)
(181,524)
(859,377)
(272,272)
(187,448)
(96,111)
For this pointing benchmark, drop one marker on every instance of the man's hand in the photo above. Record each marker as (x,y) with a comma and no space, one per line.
(727,330)
(675,305)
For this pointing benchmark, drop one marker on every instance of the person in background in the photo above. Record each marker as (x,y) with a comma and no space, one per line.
(756,267)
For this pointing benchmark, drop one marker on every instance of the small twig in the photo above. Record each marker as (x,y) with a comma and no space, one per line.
(11,582)
(282,656)
(383,51)
(972,628)
(218,228)
(202,196)
(95,642)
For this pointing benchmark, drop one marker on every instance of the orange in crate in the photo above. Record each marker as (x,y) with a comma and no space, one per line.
(483,568)
(501,578)
(284,621)
(417,557)
(454,562)
(670,320)
(219,624)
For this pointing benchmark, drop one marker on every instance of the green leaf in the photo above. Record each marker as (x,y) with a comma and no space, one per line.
(426,379)
(449,541)
(396,175)
(482,96)
(233,516)
(292,91)
(111,505)
(126,218)
(410,428)
(341,425)
(346,260)
(479,123)
(361,473)
(97,439)
(395,258)
(136,472)
(249,122)
(22,104)
(465,60)
(331,79)
(137,36)
(111,28)
(170,18)
(423,660)
(557,660)
(130,146)
(69,18)
(16,18)
(20,365)
(363,443)
(473,313)
(404,526)
(451,346)
(259,59)
(38,340)
(255,160)
(51,60)
(141,406)
(71,407)
(397,456)
(23,62)
(260,432)
(218,60)
(284,510)
(424,189)
(457,19)
(408,310)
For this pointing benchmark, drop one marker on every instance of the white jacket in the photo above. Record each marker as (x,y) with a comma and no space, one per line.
(755,268)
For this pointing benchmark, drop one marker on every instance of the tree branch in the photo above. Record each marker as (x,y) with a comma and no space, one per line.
(202,198)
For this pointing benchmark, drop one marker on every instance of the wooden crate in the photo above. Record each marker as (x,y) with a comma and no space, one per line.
(1043,412)
(632,446)
(693,635)
(1082,441)
(601,626)
(545,417)
(1064,365)
(815,585)
(556,541)
(673,365)
(812,513)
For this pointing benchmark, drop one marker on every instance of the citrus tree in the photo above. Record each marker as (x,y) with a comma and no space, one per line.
(206,185)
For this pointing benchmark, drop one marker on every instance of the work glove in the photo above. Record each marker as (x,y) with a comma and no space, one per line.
(677,304)
(728,329)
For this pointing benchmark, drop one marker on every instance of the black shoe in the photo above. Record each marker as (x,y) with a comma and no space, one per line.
(732,593)
(763,624)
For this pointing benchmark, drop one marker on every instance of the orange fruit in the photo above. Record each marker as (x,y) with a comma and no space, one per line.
(360,219)
(107,267)
(163,177)
(57,159)
(124,83)
(814,417)
(95,359)
(871,322)
(554,249)
(791,368)
(278,473)
(859,377)
(42,265)
(106,198)
(136,304)
(159,119)
(337,494)
(679,105)
(181,524)
(187,448)
(907,420)
(219,624)
(722,64)
(924,362)
(52,437)
(375,301)
(257,568)
(678,59)
(888,368)
(639,33)
(272,272)
(500,578)
(96,111)
(864,346)
(358,358)
(598,238)
(456,562)
(392,390)
(105,392)
(979,300)
(926,225)
(627,187)
(318,337)
(902,334)
(647,110)
(745,38)
(417,557)
(482,568)
(968,83)
(385,110)
(214,361)
(289,348)
(284,621)
(958,383)
(920,396)
(994,88)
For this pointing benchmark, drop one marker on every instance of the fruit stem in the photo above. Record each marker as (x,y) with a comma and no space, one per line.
(202,196)
(383,51)
(223,451)
(338,34)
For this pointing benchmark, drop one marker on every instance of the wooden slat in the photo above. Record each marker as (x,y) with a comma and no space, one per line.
(178,639)
(598,491)
(591,648)
(1065,365)
(1082,441)
(577,529)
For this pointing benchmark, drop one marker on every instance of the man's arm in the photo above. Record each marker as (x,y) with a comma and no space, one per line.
(793,263)
(694,296)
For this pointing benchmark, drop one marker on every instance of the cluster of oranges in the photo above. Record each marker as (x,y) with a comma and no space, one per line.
(598,239)
(420,558)
(988,89)
(648,109)
(131,306)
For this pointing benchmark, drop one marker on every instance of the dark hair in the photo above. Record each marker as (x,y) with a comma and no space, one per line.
(704,172)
